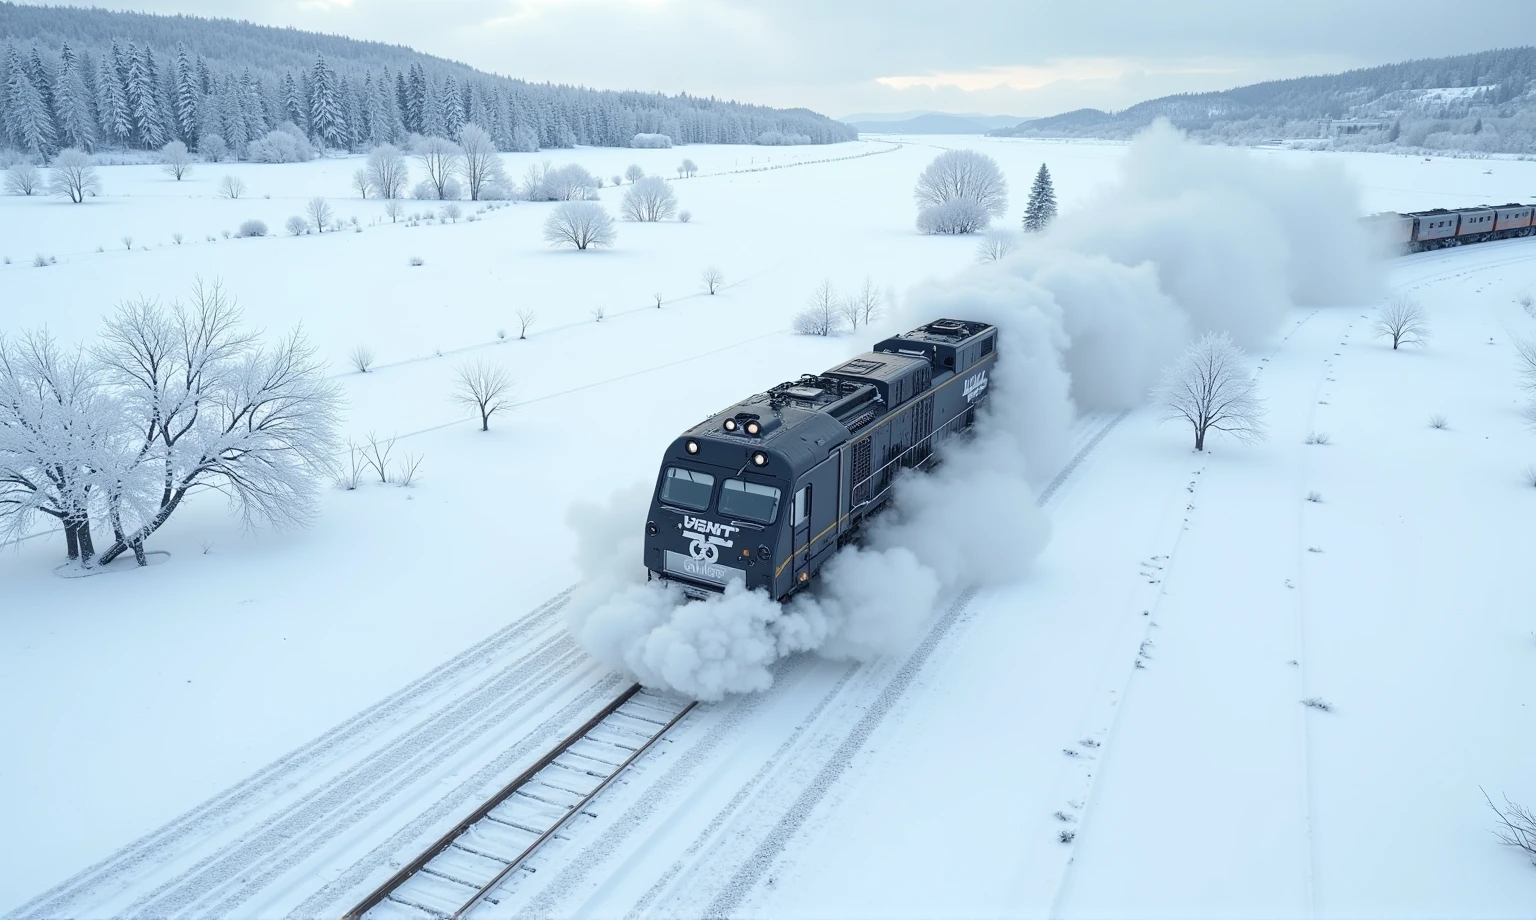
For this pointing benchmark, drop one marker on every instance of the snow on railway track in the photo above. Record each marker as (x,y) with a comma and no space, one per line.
(484,852)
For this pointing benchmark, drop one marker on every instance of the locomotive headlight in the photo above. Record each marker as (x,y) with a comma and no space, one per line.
(763,553)
(691,447)
(759,458)
(753,427)
(730,424)
(650,528)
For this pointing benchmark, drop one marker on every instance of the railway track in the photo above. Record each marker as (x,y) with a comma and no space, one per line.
(467,865)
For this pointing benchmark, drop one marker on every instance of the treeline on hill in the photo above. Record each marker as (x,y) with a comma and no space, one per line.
(1484,102)
(94,79)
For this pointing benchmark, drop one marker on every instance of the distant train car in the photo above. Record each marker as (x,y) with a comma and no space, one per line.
(765,491)
(1438,228)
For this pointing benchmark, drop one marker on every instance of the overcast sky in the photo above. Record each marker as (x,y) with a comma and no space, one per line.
(1011,57)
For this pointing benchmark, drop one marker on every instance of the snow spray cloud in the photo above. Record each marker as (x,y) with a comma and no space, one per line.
(1189,239)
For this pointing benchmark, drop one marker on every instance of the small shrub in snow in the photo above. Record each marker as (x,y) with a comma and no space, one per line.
(1529,475)
(1063,817)
(1315,497)
(1067,836)
(127,242)
(297,225)
(1438,422)
(953,217)
(1525,363)
(176,238)
(616,180)
(410,471)
(351,475)
(713,278)
(1317,703)
(231,187)
(685,216)
(424,191)
(417,262)
(1527,303)
(994,245)
(376,454)
(598,313)
(23,179)
(1314,549)
(501,335)
(653,141)
(1071,752)
(361,358)
(226,233)
(452,212)
(1320,438)
(40,261)
(657,297)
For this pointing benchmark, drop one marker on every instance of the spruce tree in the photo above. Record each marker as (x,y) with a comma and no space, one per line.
(31,124)
(326,123)
(112,112)
(452,107)
(187,97)
(1041,209)
(72,103)
(143,101)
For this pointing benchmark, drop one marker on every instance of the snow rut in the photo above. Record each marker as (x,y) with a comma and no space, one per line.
(188,833)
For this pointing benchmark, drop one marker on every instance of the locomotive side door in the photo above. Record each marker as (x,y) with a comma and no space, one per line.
(813,516)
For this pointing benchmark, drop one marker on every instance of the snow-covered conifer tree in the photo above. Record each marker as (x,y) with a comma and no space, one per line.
(31,124)
(112,113)
(1041,209)
(143,98)
(72,103)
(326,122)
(187,98)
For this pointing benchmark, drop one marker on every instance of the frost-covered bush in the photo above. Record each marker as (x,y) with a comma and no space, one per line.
(22,178)
(452,190)
(452,212)
(579,224)
(424,190)
(962,215)
(176,160)
(650,140)
(212,148)
(570,182)
(685,216)
(284,144)
(231,187)
(297,225)
(650,199)
(417,261)
(252,228)
(962,175)
(780,139)
(634,173)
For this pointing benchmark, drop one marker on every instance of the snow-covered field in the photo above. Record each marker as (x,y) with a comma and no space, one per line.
(308,708)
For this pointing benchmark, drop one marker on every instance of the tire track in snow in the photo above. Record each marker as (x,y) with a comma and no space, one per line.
(287,837)
(119,869)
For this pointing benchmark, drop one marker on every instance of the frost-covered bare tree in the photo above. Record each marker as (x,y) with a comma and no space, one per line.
(23,179)
(580,224)
(689,168)
(532,186)
(361,183)
(318,210)
(387,171)
(56,431)
(214,409)
(526,317)
(440,158)
(484,387)
(570,182)
(649,199)
(634,173)
(713,278)
(394,210)
(994,245)
(231,187)
(1525,363)
(176,160)
(822,315)
(866,302)
(963,175)
(74,175)
(1402,320)
(480,164)
(1211,388)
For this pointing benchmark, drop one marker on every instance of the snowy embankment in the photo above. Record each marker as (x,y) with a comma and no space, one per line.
(287,635)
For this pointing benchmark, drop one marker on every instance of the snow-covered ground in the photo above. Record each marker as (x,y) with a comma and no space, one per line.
(306,708)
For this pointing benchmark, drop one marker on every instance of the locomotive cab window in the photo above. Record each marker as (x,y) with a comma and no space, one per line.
(687,488)
(802,506)
(749,501)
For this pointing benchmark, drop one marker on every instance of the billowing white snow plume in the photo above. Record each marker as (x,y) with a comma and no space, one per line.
(1190,239)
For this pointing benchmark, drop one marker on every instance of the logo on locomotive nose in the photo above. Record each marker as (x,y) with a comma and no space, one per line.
(975,385)
(707,537)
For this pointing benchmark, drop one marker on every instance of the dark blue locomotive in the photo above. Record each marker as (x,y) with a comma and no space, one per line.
(765,491)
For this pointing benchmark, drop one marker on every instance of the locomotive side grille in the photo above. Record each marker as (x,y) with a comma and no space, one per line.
(922,418)
(860,472)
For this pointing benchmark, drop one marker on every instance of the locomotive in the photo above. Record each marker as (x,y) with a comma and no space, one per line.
(765,491)
(1439,228)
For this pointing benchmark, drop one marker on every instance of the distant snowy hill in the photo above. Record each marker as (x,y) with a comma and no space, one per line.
(1484,102)
(925,122)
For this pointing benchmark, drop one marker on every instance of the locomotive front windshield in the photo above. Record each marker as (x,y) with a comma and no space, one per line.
(687,488)
(751,501)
